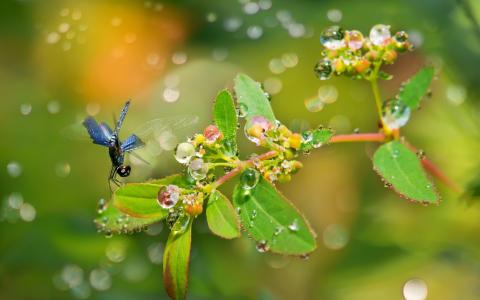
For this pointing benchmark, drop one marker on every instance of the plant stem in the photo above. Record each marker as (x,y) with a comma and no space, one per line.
(242,165)
(358,137)
(376,95)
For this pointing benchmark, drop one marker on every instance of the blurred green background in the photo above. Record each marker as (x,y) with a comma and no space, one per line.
(61,60)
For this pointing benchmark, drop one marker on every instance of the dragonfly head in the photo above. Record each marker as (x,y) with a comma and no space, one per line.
(124,170)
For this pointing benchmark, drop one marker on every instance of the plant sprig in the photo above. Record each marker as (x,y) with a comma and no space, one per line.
(211,158)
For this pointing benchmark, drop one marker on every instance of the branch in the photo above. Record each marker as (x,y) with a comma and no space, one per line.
(358,137)
(242,165)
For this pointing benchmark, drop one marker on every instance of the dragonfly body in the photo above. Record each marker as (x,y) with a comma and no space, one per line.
(101,134)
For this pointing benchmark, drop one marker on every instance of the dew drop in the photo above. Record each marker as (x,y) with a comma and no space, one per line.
(415,289)
(379,34)
(181,224)
(242,110)
(101,206)
(294,226)
(27,212)
(335,237)
(262,246)
(354,40)
(197,169)
(25,109)
(249,179)
(171,95)
(100,279)
(332,38)
(14,169)
(395,114)
(323,69)
(254,32)
(184,152)
(168,196)
(155,253)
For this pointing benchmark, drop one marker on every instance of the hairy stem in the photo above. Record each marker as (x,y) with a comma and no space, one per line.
(358,137)
(242,165)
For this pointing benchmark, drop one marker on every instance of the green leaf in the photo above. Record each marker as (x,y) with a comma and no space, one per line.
(225,116)
(415,88)
(113,221)
(252,99)
(402,170)
(176,260)
(315,138)
(221,216)
(272,220)
(139,200)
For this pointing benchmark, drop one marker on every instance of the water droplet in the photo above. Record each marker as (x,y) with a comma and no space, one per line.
(181,224)
(332,38)
(100,279)
(335,237)
(380,34)
(25,109)
(62,169)
(53,37)
(307,137)
(305,256)
(278,230)
(314,104)
(395,113)
(27,212)
(272,85)
(276,66)
(179,58)
(251,8)
(253,215)
(262,246)
(254,32)
(327,94)
(456,94)
(14,169)
(197,169)
(184,152)
(211,17)
(323,69)
(415,289)
(101,206)
(232,24)
(294,226)
(334,15)
(155,253)
(289,60)
(116,251)
(72,275)
(171,95)
(168,196)
(354,40)
(242,110)
(15,200)
(249,178)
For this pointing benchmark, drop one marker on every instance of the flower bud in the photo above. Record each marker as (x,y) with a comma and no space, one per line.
(362,65)
(295,141)
(390,56)
(339,65)
(212,134)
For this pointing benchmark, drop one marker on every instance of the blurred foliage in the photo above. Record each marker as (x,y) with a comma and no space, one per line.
(371,242)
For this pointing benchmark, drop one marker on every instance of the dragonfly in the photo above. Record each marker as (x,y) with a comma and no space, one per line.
(101,134)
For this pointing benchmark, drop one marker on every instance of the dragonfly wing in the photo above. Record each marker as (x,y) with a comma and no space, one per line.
(106,130)
(123,113)
(97,134)
(131,143)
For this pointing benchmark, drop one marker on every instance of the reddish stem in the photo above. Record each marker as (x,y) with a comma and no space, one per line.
(431,168)
(358,137)
(242,165)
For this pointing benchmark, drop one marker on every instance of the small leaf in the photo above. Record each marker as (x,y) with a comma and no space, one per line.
(315,138)
(225,116)
(112,220)
(139,200)
(252,99)
(176,260)
(415,88)
(221,216)
(402,169)
(272,220)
